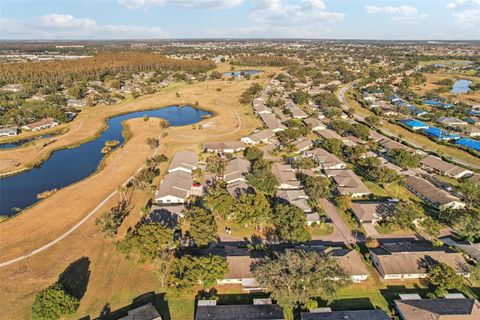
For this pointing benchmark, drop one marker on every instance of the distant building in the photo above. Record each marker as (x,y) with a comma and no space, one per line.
(414,124)
(436,197)
(76,103)
(261,136)
(302,144)
(8,132)
(11,88)
(261,309)
(40,125)
(411,260)
(449,308)
(224,147)
(439,166)
(451,122)
(296,112)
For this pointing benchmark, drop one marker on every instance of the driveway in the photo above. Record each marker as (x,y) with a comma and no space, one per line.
(342,231)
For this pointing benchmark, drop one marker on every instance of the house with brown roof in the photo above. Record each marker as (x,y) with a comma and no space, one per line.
(45,123)
(272,122)
(302,144)
(436,197)
(236,170)
(224,147)
(175,188)
(437,165)
(449,308)
(286,176)
(315,124)
(262,136)
(296,198)
(185,161)
(372,211)
(411,260)
(330,134)
(325,159)
(348,183)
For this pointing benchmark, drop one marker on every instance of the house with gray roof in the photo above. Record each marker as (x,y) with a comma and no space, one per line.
(325,159)
(175,188)
(262,136)
(328,314)
(296,112)
(296,198)
(315,124)
(286,176)
(236,170)
(261,309)
(224,147)
(348,183)
(372,211)
(434,196)
(438,309)
(445,168)
(272,122)
(8,132)
(185,161)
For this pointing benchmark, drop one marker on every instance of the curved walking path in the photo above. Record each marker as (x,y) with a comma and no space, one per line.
(76,226)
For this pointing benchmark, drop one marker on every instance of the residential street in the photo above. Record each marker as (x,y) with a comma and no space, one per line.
(342,232)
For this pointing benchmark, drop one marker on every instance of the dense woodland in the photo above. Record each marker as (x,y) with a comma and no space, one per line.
(96,67)
(263,60)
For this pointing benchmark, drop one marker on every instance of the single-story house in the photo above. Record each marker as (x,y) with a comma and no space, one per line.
(261,309)
(175,188)
(328,314)
(8,132)
(473,120)
(471,131)
(315,124)
(185,161)
(450,308)
(348,183)
(411,260)
(224,147)
(451,122)
(236,170)
(439,166)
(45,123)
(297,198)
(237,188)
(76,103)
(261,136)
(286,176)
(272,122)
(330,134)
(297,113)
(372,211)
(302,144)
(259,106)
(325,159)
(438,198)
(145,312)
(414,124)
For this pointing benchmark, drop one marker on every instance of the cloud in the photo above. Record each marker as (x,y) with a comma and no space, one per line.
(400,10)
(193,4)
(64,26)
(466,13)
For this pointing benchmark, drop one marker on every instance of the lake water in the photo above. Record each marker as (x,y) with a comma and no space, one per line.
(18,143)
(68,166)
(461,86)
(241,73)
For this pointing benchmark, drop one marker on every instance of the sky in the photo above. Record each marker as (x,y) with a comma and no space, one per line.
(176,19)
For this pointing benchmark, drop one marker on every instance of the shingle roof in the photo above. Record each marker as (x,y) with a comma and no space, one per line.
(184,159)
(177,183)
(346,315)
(429,191)
(240,312)
(236,169)
(285,174)
(371,210)
(428,309)
(348,182)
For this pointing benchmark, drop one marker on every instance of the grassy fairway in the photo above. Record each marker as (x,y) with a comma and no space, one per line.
(113,279)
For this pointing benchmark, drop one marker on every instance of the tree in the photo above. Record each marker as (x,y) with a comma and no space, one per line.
(471,193)
(373,121)
(110,221)
(188,271)
(252,208)
(300,97)
(443,278)
(216,165)
(343,202)
(404,215)
(290,223)
(146,241)
(318,187)
(333,145)
(405,158)
(153,143)
(203,227)
(296,276)
(219,201)
(215,75)
(465,223)
(262,178)
(249,94)
(431,226)
(52,303)
(253,153)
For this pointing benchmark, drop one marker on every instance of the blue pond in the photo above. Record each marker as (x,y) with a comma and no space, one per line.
(461,86)
(241,73)
(68,166)
(18,143)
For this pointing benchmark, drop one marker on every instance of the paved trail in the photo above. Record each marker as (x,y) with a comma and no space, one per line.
(76,226)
